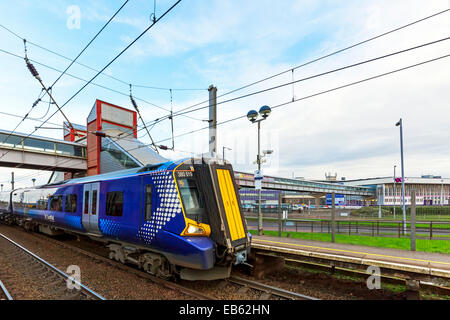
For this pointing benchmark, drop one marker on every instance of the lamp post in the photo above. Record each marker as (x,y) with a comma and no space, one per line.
(400,124)
(395,191)
(223,151)
(379,202)
(252,115)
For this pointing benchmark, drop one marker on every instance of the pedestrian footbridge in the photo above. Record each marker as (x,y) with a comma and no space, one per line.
(41,153)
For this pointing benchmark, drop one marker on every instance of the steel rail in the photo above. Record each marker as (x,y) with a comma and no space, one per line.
(270,289)
(50,266)
(118,265)
(5,291)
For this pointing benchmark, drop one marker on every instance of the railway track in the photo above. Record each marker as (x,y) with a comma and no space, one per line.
(103,259)
(24,271)
(267,291)
(4,294)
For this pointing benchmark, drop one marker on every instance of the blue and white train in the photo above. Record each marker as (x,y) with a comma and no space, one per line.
(180,218)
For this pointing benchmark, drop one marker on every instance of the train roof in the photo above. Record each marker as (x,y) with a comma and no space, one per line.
(110,175)
(117,174)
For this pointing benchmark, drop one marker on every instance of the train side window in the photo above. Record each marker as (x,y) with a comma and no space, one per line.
(114,204)
(71,203)
(86,202)
(148,201)
(42,203)
(56,203)
(94,203)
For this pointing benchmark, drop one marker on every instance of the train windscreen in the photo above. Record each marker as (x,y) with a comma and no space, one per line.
(192,200)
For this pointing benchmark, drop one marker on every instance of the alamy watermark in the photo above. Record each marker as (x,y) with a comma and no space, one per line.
(74,17)
(374,280)
(74,280)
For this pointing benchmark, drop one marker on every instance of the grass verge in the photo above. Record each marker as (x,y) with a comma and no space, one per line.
(438,246)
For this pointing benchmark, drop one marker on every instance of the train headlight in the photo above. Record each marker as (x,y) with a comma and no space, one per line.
(197,229)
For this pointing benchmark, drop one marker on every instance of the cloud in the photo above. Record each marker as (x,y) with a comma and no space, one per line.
(233,43)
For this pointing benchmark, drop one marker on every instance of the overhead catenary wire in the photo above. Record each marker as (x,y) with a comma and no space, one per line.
(298,99)
(320,74)
(315,95)
(311,77)
(35,74)
(84,80)
(323,57)
(32,69)
(152,124)
(35,103)
(142,120)
(340,51)
(90,42)
(258,81)
(178,113)
(107,65)
(94,69)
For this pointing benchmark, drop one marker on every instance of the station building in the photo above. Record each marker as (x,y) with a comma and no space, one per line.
(430,190)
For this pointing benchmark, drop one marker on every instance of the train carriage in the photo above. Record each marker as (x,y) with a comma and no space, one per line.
(176,218)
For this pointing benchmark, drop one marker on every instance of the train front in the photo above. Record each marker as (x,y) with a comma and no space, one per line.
(212,207)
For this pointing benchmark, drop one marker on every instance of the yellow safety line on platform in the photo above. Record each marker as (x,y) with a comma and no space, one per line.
(341,250)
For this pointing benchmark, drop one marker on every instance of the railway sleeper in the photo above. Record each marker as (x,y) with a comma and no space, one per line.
(265,296)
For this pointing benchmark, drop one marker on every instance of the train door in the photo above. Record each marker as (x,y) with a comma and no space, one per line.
(91,193)
(147,203)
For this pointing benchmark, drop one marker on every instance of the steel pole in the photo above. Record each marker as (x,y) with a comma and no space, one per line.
(395,191)
(258,160)
(379,203)
(403,177)
(212,120)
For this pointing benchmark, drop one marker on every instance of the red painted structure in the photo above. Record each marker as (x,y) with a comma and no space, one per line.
(103,116)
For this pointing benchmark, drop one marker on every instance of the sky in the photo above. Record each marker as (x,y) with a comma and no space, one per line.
(230,44)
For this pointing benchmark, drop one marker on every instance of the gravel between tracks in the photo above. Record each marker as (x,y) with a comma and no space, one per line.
(110,282)
(113,283)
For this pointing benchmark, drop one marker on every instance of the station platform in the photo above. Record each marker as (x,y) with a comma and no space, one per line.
(424,266)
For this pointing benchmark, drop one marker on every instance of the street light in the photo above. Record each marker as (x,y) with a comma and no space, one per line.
(34,180)
(400,124)
(252,116)
(223,151)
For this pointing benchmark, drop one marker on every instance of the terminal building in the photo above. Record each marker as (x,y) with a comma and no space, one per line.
(430,190)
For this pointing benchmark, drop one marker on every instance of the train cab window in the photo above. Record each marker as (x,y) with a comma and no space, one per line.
(94,203)
(114,204)
(71,203)
(148,201)
(192,201)
(56,203)
(86,202)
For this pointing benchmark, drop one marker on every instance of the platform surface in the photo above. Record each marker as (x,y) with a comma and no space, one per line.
(415,258)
